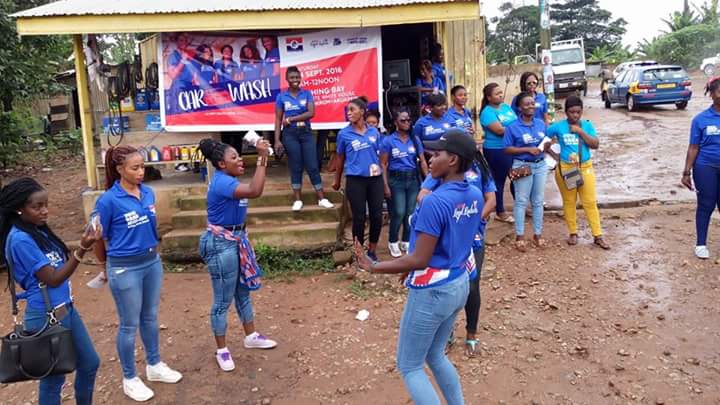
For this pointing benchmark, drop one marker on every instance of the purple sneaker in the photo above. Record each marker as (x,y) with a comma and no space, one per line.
(225,361)
(258,341)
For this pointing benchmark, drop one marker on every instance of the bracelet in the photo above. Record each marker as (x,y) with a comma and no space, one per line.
(75,255)
(84,249)
(261,161)
(687,173)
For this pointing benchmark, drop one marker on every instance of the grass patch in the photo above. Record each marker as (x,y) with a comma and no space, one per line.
(283,264)
(357,288)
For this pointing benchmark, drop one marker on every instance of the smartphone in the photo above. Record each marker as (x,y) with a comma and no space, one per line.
(94,223)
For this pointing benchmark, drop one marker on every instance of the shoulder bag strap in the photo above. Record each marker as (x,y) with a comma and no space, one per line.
(11,282)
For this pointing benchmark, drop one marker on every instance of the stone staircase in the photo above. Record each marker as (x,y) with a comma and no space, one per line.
(270,221)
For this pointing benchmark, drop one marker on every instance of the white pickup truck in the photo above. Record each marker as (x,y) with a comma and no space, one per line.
(710,65)
(568,61)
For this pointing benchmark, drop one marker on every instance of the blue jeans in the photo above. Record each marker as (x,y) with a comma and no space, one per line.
(426,324)
(707,183)
(135,283)
(302,154)
(500,164)
(530,189)
(404,189)
(221,257)
(87,364)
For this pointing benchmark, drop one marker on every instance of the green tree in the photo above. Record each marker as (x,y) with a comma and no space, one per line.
(118,48)
(611,54)
(516,33)
(688,46)
(585,19)
(708,12)
(28,64)
(648,49)
(679,20)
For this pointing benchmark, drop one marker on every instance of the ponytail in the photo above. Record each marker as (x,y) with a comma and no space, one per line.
(114,157)
(213,150)
(483,166)
(487,92)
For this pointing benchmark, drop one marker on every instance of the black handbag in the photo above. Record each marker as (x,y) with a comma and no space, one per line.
(418,166)
(35,355)
(573,178)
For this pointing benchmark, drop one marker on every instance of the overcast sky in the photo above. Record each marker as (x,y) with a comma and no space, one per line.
(643,16)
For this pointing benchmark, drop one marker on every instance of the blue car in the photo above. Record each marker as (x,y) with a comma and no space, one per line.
(650,85)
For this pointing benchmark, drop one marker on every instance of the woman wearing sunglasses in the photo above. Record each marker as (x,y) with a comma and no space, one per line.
(530,83)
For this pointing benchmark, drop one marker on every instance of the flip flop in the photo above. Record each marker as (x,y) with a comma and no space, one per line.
(601,242)
(539,242)
(471,348)
(509,219)
(521,246)
(572,239)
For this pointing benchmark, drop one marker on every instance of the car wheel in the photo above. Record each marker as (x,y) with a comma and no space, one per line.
(608,104)
(709,70)
(681,105)
(631,105)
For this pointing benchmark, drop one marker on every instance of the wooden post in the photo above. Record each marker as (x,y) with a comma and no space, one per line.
(86,118)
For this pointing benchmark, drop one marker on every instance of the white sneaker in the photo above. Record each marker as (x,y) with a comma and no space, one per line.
(394,249)
(162,373)
(224,360)
(325,203)
(258,341)
(404,247)
(297,206)
(136,389)
(702,252)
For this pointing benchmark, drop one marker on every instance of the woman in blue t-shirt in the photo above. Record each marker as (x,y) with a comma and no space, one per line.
(428,83)
(703,164)
(205,74)
(457,113)
(437,275)
(529,83)
(495,116)
(227,69)
(399,154)
(294,108)
(480,177)
(250,67)
(34,255)
(126,211)
(357,157)
(523,139)
(225,247)
(432,126)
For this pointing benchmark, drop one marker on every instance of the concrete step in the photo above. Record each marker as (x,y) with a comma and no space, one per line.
(197,219)
(182,244)
(277,198)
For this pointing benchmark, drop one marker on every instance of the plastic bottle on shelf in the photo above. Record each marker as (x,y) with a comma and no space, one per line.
(144,153)
(176,152)
(154,154)
(184,153)
(167,153)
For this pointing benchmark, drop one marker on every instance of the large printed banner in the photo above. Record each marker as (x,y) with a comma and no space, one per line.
(229,82)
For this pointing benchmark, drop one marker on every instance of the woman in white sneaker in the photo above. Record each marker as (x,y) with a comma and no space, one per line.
(225,248)
(702,166)
(134,270)
(399,153)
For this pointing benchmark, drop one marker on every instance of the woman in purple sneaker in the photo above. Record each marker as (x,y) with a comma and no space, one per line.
(225,247)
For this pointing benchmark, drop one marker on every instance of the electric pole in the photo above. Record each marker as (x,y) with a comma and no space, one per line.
(546,57)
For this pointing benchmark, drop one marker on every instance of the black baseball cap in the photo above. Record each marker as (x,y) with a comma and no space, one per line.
(456,141)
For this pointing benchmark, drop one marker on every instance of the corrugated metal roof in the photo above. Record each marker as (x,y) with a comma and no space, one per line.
(111,7)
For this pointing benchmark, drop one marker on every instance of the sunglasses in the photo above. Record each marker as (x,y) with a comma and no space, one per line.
(404,120)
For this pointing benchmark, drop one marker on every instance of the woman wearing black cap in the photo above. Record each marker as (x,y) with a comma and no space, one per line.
(444,227)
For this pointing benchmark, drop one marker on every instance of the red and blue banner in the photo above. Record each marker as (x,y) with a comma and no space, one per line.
(228,82)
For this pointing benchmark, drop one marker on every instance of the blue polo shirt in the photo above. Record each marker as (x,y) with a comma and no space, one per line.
(568,141)
(293,106)
(129,224)
(541,106)
(436,82)
(206,73)
(27,259)
(522,135)
(251,71)
(452,215)
(226,72)
(439,71)
(272,57)
(460,120)
(503,114)
(402,156)
(360,150)
(475,178)
(185,78)
(429,128)
(705,132)
(222,207)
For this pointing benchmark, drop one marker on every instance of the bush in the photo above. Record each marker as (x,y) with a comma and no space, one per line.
(688,46)
(281,263)
(12,137)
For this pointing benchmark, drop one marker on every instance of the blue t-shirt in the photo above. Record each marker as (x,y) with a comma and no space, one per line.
(436,83)
(360,150)
(568,141)
(294,106)
(705,132)
(185,78)
(27,259)
(439,71)
(272,57)
(505,115)
(206,73)
(226,72)
(402,156)
(222,207)
(475,178)
(522,135)
(460,120)
(429,128)
(452,215)
(129,224)
(251,71)
(541,106)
